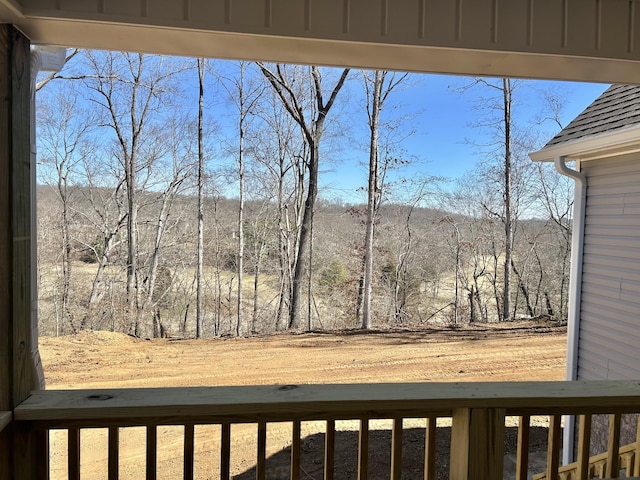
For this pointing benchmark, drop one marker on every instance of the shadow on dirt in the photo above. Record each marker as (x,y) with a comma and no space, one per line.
(346,453)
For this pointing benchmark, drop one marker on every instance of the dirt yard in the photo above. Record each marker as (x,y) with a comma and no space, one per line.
(505,352)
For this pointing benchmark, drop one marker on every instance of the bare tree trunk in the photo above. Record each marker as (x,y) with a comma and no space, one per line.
(373,195)
(312,133)
(377,92)
(200,253)
(523,289)
(508,227)
(241,131)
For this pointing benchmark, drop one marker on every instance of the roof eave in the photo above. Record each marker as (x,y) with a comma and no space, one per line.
(617,142)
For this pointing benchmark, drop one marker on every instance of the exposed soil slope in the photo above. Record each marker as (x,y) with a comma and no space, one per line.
(505,352)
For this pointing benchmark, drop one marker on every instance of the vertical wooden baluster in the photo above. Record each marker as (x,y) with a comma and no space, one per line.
(613,447)
(430,449)
(73,459)
(553,447)
(584,440)
(329,450)
(295,451)
(189,433)
(42,454)
(262,451)
(225,451)
(636,466)
(363,449)
(396,449)
(152,451)
(114,447)
(522,455)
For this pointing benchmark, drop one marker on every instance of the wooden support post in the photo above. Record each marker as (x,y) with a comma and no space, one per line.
(16,370)
(477,444)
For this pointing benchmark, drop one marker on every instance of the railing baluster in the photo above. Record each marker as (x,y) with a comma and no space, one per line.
(553,447)
(636,465)
(73,458)
(43,454)
(363,449)
(396,449)
(262,451)
(522,455)
(152,451)
(114,447)
(295,450)
(584,441)
(329,450)
(613,446)
(430,449)
(189,434)
(225,451)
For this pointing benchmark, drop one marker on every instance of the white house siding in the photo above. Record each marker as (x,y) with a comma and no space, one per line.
(610,306)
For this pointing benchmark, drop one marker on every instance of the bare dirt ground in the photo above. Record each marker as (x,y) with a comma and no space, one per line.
(504,352)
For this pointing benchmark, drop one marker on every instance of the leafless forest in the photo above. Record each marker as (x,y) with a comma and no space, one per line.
(182,197)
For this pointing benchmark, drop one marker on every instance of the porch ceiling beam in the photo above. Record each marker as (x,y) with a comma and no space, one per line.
(595,40)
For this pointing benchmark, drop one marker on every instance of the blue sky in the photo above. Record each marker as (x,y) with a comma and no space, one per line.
(444,138)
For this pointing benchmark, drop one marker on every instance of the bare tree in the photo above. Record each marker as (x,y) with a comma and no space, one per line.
(377,87)
(244,95)
(311,120)
(128,89)
(63,141)
(200,180)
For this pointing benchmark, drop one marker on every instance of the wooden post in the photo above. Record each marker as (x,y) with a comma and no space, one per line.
(477,444)
(16,365)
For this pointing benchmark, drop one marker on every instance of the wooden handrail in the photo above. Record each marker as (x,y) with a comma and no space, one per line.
(5,419)
(477,412)
(145,406)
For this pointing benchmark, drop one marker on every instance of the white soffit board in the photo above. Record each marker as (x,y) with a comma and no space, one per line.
(615,143)
(591,40)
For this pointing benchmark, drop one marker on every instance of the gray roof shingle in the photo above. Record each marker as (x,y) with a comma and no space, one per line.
(618,107)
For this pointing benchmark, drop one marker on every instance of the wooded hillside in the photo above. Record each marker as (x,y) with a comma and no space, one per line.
(169,209)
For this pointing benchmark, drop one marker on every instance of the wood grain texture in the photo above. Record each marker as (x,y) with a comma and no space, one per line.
(16,365)
(613,446)
(363,450)
(295,450)
(261,455)
(330,450)
(553,447)
(477,444)
(522,454)
(396,449)
(584,438)
(130,407)
(5,419)
(430,449)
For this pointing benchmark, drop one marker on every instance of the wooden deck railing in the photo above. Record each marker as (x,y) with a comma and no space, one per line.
(477,412)
(597,465)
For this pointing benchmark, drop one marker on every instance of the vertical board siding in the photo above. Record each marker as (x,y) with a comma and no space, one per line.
(584,27)
(610,305)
